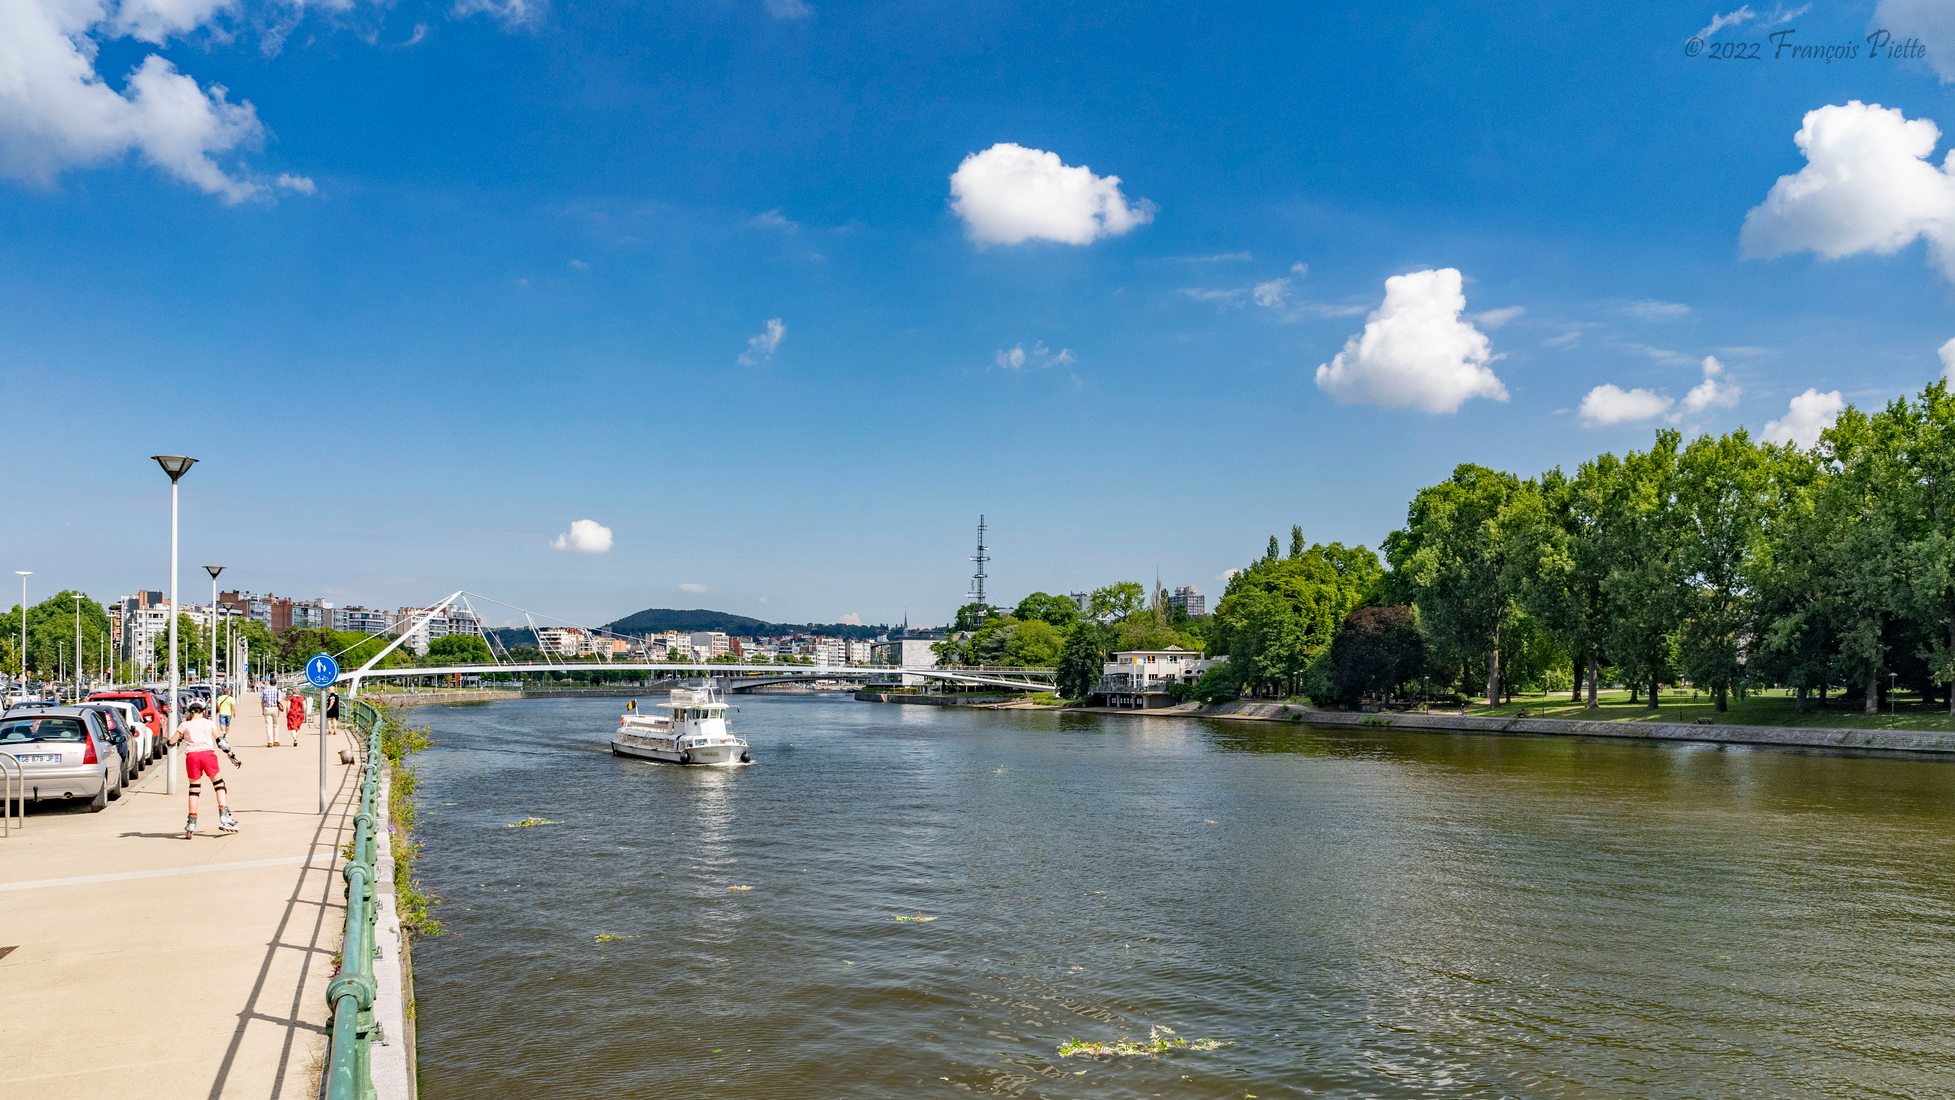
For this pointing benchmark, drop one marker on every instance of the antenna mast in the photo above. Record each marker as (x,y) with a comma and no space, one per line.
(976,595)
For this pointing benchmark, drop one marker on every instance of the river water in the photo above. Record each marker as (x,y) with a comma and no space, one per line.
(1356,914)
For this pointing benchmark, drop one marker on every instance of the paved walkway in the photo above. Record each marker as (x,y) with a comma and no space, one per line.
(135,963)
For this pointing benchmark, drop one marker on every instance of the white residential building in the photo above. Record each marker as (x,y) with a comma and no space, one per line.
(560,641)
(709,644)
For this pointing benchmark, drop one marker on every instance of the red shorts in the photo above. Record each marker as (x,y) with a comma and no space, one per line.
(200,764)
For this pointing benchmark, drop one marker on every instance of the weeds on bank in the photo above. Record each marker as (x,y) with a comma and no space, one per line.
(1160,1040)
(398,742)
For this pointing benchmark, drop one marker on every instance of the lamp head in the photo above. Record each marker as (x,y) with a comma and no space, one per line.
(23,572)
(213,570)
(174,465)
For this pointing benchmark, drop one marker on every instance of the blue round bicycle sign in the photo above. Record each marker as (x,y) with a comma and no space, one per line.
(322,671)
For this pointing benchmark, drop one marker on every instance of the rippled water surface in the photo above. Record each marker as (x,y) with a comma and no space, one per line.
(1357,914)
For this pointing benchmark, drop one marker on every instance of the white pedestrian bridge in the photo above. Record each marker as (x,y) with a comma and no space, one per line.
(736,675)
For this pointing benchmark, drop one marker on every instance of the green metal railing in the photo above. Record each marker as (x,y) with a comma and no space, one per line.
(349,1065)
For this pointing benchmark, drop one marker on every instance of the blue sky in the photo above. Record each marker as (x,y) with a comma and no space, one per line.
(474,272)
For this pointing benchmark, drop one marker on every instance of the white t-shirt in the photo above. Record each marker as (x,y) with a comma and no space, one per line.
(199,735)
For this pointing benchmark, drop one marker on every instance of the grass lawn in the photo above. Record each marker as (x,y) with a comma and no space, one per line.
(1771,708)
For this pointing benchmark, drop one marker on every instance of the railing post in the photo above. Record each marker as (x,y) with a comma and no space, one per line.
(349,1072)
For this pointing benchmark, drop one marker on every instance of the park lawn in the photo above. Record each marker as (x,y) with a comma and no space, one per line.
(1771,708)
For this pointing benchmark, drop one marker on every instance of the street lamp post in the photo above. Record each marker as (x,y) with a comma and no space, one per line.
(24,574)
(1892,702)
(175,466)
(78,669)
(213,570)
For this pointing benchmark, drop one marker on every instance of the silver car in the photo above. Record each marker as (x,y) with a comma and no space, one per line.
(64,752)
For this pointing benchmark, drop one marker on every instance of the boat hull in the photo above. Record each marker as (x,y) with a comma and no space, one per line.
(708,756)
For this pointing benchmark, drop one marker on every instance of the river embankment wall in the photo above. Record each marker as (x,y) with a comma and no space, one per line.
(1934,742)
(972,699)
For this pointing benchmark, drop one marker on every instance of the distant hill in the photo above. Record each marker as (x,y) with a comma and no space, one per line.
(654,619)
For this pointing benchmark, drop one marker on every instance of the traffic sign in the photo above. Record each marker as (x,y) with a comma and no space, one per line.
(322,671)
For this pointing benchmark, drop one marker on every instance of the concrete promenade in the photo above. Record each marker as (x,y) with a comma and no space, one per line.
(135,963)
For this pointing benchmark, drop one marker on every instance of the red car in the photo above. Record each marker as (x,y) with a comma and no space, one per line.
(145,703)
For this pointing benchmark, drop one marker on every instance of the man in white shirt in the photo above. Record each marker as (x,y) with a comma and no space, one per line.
(198,736)
(268,707)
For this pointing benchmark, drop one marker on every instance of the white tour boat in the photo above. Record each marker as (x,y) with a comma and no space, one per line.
(695,732)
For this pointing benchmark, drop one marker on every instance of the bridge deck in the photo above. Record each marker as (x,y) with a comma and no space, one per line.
(163,968)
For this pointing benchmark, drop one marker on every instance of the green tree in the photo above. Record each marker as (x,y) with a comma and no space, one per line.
(1454,558)
(1643,580)
(1115,602)
(1931,557)
(1034,643)
(970,617)
(1863,561)
(1723,501)
(1279,615)
(459,649)
(1083,658)
(1060,611)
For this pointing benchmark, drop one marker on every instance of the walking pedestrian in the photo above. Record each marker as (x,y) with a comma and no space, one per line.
(332,712)
(198,736)
(226,706)
(268,709)
(294,716)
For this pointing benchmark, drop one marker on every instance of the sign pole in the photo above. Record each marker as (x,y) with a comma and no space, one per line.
(322,672)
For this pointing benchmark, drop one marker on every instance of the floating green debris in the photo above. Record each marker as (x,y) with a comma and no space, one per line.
(1160,1040)
(531,823)
(913,918)
(614,937)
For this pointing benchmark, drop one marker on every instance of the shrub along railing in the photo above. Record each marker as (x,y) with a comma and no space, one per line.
(349,1072)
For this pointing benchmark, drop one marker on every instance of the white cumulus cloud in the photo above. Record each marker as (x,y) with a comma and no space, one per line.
(1009,194)
(852,619)
(1017,357)
(788,9)
(762,345)
(693,587)
(1930,21)
(586,536)
(1714,392)
(57,113)
(1609,404)
(156,21)
(1415,350)
(1869,185)
(1948,361)
(1806,416)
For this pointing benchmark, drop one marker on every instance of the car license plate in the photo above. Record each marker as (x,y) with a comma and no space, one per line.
(39,758)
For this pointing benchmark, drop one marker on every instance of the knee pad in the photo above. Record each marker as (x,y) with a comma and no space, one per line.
(196,787)
(217,784)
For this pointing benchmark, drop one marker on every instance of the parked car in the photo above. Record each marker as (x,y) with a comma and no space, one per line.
(119,735)
(144,745)
(64,752)
(149,707)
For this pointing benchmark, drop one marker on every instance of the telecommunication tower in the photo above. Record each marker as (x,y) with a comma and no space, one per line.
(976,595)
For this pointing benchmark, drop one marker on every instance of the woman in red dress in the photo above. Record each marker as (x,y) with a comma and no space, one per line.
(294,717)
